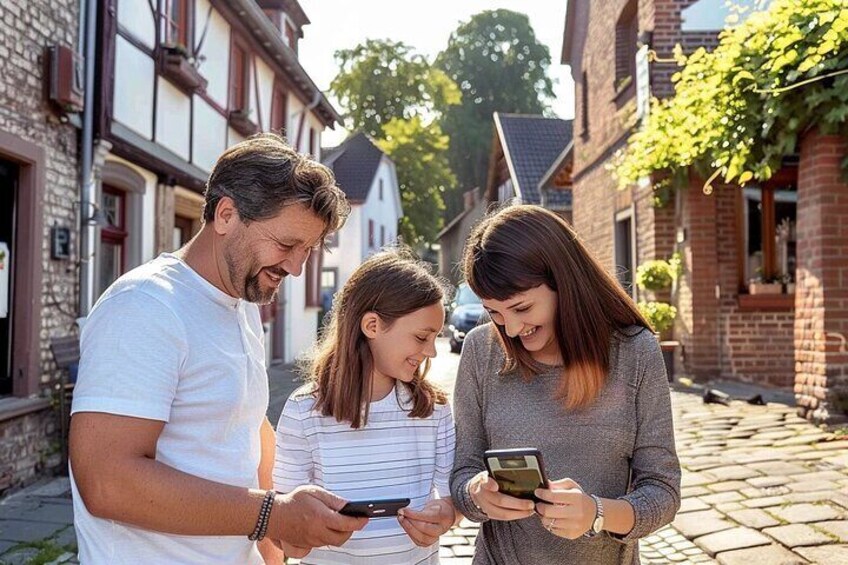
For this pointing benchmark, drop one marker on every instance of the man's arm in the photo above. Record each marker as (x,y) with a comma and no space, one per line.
(118,478)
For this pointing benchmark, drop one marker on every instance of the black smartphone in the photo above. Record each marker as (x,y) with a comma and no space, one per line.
(374,508)
(518,472)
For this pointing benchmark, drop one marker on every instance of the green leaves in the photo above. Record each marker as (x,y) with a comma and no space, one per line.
(738,109)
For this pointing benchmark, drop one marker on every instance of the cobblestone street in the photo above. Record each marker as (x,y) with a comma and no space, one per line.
(760,486)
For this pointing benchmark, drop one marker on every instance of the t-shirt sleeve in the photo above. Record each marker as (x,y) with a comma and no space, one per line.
(445,449)
(131,350)
(293,459)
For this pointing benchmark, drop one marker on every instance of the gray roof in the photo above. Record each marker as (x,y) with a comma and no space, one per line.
(354,163)
(531,144)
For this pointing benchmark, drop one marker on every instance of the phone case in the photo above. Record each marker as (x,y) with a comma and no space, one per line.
(374,508)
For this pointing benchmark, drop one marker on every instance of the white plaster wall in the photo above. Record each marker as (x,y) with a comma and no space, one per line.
(215,54)
(384,212)
(173,119)
(348,255)
(133,93)
(266,91)
(136,17)
(210,134)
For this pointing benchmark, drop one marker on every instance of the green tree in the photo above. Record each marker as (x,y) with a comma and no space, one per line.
(419,152)
(382,79)
(499,66)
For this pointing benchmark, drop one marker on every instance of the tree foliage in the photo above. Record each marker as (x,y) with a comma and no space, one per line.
(500,66)
(380,80)
(419,152)
(738,110)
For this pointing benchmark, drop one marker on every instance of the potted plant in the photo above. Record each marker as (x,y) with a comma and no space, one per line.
(655,275)
(661,316)
(760,286)
(178,64)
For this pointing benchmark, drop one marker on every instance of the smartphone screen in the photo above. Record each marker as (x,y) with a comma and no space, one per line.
(520,483)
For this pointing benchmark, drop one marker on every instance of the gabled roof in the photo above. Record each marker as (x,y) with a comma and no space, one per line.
(354,164)
(531,144)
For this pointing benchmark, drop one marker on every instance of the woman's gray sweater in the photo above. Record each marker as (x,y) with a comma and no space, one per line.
(627,430)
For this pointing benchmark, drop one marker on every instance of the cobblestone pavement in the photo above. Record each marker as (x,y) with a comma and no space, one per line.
(760,487)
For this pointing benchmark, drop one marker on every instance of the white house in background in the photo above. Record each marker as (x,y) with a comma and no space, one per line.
(180,81)
(369,179)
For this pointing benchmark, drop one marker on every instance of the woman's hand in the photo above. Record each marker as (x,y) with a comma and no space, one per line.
(567,512)
(426,525)
(497,505)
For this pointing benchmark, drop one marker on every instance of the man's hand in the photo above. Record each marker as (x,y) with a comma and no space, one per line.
(426,525)
(308,517)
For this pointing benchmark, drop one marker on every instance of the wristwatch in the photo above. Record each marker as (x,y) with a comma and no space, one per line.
(598,523)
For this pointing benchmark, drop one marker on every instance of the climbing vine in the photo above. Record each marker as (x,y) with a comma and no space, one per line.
(740,108)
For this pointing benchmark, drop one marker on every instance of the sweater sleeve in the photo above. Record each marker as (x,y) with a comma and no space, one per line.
(655,485)
(471,440)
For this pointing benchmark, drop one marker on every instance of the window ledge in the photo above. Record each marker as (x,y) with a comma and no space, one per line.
(13,407)
(766,302)
(624,91)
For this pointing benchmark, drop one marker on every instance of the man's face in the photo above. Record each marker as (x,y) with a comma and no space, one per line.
(261,254)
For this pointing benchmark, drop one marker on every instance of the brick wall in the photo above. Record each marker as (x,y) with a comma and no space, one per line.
(27,28)
(721,338)
(821,300)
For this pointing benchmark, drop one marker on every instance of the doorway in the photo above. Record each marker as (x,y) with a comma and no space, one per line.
(8,193)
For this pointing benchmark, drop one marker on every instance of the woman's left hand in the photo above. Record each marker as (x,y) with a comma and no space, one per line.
(426,525)
(567,512)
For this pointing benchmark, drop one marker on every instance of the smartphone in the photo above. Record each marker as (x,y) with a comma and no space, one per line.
(374,508)
(518,472)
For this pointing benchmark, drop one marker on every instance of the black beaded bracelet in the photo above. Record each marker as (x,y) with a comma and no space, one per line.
(264,515)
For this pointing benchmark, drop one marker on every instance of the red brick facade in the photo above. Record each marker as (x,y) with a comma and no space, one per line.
(723,333)
(821,326)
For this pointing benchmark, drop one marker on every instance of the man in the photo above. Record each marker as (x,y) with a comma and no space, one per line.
(170,449)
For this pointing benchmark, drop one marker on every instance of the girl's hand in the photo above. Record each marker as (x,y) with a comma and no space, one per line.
(497,505)
(567,512)
(426,525)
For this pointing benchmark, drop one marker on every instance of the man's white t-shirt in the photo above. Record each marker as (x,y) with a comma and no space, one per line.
(163,343)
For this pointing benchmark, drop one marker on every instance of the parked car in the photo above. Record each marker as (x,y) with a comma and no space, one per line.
(466,312)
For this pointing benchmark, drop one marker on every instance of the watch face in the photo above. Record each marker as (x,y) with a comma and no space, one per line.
(598,524)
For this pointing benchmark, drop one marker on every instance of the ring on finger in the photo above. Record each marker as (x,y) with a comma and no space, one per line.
(551,525)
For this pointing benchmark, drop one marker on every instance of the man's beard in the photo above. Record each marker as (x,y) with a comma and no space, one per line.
(252,289)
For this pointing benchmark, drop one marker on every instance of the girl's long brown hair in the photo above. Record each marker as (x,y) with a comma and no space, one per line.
(391,284)
(521,247)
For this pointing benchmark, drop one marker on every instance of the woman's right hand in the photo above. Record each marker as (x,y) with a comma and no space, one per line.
(497,505)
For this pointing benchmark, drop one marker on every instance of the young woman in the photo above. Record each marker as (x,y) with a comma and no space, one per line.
(369,425)
(568,366)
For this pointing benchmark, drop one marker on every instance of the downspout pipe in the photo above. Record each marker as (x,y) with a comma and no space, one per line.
(87,192)
(316,99)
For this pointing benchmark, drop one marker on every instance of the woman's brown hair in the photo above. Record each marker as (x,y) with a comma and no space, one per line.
(391,284)
(522,247)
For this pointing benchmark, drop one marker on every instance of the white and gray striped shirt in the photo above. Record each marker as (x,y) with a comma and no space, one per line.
(393,456)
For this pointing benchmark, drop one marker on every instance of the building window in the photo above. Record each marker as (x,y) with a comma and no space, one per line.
(182,231)
(275,16)
(312,149)
(113,237)
(626,35)
(584,105)
(239,77)
(770,215)
(381,189)
(279,111)
(382,236)
(313,279)
(175,16)
(624,252)
(371,234)
(291,36)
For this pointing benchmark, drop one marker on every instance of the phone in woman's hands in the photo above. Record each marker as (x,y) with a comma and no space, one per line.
(518,472)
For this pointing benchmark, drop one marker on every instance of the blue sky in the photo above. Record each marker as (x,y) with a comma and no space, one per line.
(340,24)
